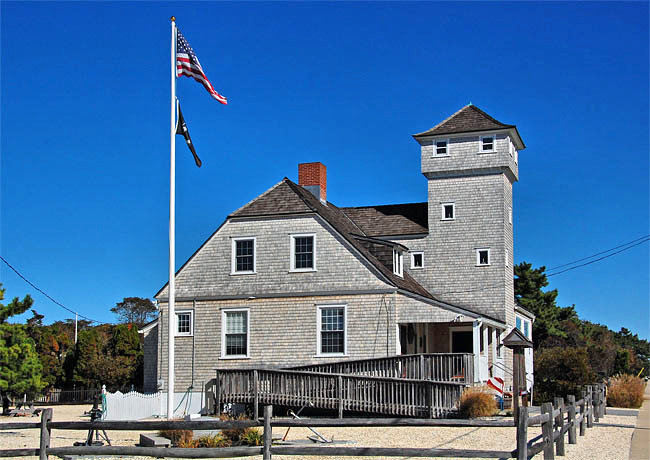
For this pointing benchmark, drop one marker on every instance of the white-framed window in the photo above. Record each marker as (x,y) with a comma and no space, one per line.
(523,325)
(417,259)
(243,255)
(184,323)
(398,262)
(516,156)
(303,252)
(510,215)
(448,211)
(487,144)
(331,324)
(235,339)
(441,148)
(482,257)
(507,257)
(511,147)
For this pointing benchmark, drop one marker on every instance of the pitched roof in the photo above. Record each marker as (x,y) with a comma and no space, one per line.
(468,119)
(290,198)
(392,219)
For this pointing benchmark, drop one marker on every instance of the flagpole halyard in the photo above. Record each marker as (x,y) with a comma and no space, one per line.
(172,230)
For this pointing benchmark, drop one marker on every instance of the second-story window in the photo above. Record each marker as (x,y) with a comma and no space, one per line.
(303,252)
(398,262)
(487,143)
(243,255)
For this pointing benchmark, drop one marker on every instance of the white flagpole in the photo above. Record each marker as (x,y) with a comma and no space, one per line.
(172,236)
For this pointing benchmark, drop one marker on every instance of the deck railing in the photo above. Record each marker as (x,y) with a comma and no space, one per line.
(440,367)
(342,392)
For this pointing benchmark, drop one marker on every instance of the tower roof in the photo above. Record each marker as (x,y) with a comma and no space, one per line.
(468,119)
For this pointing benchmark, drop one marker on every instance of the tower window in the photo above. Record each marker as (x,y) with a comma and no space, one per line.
(487,144)
(483,257)
(448,211)
(441,147)
(417,259)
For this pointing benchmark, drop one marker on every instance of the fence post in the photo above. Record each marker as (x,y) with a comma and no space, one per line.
(522,434)
(603,399)
(46,416)
(559,422)
(340,395)
(421,367)
(430,399)
(547,431)
(596,402)
(572,418)
(583,421)
(268,435)
(217,395)
(256,397)
(590,409)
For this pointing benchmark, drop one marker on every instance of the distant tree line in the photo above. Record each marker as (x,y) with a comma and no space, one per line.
(570,352)
(35,357)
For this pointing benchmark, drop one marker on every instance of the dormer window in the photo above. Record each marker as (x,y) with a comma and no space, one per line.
(440,147)
(398,262)
(487,144)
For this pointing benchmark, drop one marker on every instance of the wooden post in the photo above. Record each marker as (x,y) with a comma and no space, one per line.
(590,408)
(430,399)
(340,395)
(559,422)
(256,396)
(421,367)
(604,399)
(572,418)
(601,398)
(217,395)
(596,402)
(46,416)
(583,421)
(515,382)
(522,434)
(547,432)
(268,435)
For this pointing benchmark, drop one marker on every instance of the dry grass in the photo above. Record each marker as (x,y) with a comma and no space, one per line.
(477,402)
(626,391)
(179,438)
(252,437)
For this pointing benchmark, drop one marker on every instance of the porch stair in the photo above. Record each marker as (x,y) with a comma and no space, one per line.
(401,385)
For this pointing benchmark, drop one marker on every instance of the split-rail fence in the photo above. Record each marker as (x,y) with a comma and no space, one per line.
(558,420)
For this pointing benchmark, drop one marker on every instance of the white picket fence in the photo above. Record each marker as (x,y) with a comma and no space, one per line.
(137,406)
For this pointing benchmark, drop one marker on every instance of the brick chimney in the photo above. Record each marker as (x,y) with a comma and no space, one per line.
(313,177)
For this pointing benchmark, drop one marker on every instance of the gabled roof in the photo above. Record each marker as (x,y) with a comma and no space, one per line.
(392,219)
(467,120)
(517,340)
(290,198)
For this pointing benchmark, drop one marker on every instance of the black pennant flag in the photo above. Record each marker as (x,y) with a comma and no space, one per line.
(181,128)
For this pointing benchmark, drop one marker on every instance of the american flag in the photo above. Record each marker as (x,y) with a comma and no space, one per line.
(188,64)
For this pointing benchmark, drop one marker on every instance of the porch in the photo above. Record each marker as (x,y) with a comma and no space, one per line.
(478,341)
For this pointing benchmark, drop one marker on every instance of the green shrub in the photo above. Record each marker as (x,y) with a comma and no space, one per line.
(218,440)
(477,402)
(626,391)
(561,371)
(252,437)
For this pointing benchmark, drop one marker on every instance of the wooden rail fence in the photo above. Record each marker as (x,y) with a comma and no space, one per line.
(342,392)
(557,421)
(440,367)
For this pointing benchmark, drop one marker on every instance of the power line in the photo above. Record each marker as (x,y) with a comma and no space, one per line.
(600,258)
(597,254)
(46,295)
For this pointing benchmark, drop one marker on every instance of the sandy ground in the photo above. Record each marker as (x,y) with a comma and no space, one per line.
(609,439)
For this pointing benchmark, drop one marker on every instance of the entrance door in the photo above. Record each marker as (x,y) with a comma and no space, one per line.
(462,342)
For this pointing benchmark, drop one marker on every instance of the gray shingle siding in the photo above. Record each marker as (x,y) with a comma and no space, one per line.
(282,332)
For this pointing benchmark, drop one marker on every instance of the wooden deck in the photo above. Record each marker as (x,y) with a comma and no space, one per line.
(413,385)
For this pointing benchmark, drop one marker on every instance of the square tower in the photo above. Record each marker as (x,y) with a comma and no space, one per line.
(470,161)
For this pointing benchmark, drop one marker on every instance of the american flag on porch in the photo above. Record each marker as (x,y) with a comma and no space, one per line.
(188,64)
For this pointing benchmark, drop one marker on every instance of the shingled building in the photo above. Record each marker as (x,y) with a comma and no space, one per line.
(290,279)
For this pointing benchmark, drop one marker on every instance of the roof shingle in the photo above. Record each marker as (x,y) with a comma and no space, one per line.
(468,119)
(391,219)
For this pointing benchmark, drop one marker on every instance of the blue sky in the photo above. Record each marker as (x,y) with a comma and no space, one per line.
(85,130)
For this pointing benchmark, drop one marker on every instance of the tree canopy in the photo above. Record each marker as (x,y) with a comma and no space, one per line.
(135,310)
